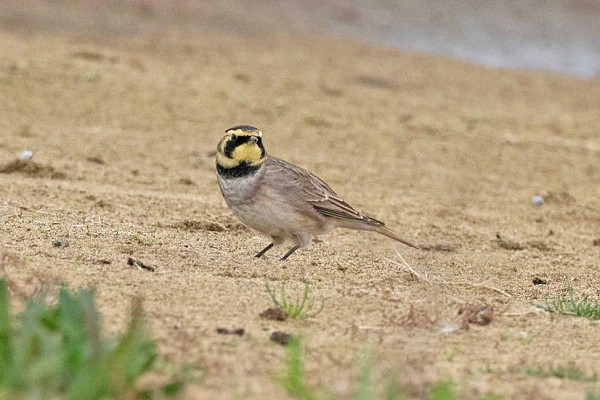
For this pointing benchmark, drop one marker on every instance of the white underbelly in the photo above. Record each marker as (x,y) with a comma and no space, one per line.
(266,212)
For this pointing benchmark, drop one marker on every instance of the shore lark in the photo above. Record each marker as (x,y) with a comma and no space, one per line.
(282,200)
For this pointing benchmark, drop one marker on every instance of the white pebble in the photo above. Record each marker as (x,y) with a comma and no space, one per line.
(537,200)
(449,328)
(25,155)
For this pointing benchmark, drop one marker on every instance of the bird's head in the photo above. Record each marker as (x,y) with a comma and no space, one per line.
(241,148)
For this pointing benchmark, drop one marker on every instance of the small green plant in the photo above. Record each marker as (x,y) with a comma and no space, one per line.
(301,308)
(294,379)
(57,352)
(590,395)
(491,396)
(393,391)
(137,238)
(451,355)
(364,387)
(569,305)
(558,371)
(442,390)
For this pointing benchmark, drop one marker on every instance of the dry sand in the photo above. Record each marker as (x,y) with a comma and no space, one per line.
(123,132)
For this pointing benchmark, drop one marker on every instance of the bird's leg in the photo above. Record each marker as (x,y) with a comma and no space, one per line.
(289,253)
(263,251)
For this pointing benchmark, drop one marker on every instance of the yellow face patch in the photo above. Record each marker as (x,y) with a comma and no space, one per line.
(231,151)
(249,152)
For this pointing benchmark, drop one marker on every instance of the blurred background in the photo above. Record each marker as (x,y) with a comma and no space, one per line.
(554,35)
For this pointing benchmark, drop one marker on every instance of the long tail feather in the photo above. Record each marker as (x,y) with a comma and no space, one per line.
(384,230)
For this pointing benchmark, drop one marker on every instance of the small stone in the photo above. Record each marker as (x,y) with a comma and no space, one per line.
(476,314)
(449,328)
(283,338)
(539,281)
(448,248)
(140,264)
(275,314)
(537,200)
(510,245)
(60,243)
(225,331)
(539,245)
(95,160)
(596,242)
(483,316)
(26,155)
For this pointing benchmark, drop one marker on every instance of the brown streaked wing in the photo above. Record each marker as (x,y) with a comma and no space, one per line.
(322,196)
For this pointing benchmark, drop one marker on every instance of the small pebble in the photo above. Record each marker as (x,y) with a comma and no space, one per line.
(275,314)
(521,334)
(449,328)
(539,281)
(225,331)
(537,200)
(26,155)
(282,338)
(60,243)
(140,264)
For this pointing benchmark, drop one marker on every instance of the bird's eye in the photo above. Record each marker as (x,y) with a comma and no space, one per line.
(233,136)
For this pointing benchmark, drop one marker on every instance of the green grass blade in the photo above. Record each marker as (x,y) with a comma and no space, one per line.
(364,389)
(57,352)
(569,305)
(443,390)
(6,351)
(133,355)
(294,380)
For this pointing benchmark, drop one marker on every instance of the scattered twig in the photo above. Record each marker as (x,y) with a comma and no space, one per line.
(448,248)
(406,267)
(140,264)
(535,310)
(225,331)
(481,286)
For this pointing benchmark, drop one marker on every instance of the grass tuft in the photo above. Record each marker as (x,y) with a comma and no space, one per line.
(364,389)
(558,371)
(294,380)
(57,352)
(300,308)
(442,390)
(491,396)
(590,395)
(569,305)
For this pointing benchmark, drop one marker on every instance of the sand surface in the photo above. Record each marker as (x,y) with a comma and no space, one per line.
(124,130)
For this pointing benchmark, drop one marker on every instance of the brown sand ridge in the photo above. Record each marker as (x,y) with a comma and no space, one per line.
(123,133)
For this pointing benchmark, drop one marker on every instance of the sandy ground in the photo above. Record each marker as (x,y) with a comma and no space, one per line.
(123,132)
